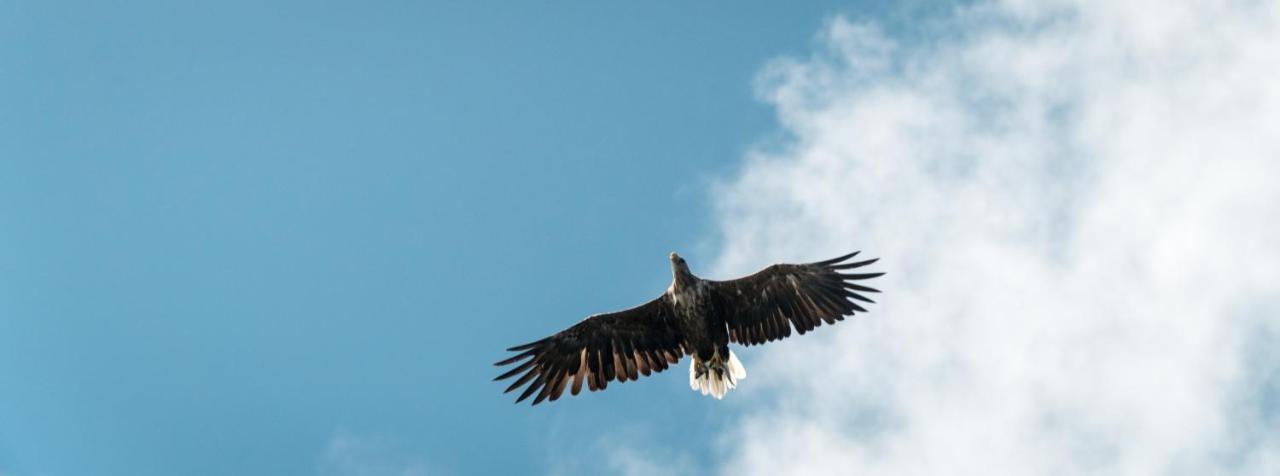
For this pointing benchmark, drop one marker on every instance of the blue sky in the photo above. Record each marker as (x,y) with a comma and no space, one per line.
(292,238)
(232,233)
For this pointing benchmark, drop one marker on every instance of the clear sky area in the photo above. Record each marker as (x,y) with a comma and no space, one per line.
(233,234)
(278,238)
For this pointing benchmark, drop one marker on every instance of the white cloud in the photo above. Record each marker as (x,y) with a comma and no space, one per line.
(351,454)
(629,460)
(1078,204)
(623,450)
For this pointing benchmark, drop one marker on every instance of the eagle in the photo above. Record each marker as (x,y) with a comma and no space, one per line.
(695,317)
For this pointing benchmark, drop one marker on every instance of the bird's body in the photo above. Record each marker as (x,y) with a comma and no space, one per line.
(705,333)
(693,317)
(703,328)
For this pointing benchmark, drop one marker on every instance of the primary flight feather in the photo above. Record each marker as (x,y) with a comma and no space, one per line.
(695,317)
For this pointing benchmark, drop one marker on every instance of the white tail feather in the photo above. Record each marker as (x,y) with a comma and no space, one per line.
(716,377)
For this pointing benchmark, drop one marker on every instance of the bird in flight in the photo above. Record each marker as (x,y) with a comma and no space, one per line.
(696,317)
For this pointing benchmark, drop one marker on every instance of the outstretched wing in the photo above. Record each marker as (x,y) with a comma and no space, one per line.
(618,345)
(764,306)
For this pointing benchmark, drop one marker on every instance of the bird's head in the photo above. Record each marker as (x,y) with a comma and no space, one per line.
(679,269)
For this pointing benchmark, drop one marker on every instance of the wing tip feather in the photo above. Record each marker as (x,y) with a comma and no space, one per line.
(837,259)
(859,276)
(855,264)
(527,346)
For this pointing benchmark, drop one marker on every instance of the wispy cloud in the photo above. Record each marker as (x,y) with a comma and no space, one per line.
(1077,206)
(628,460)
(627,449)
(351,454)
